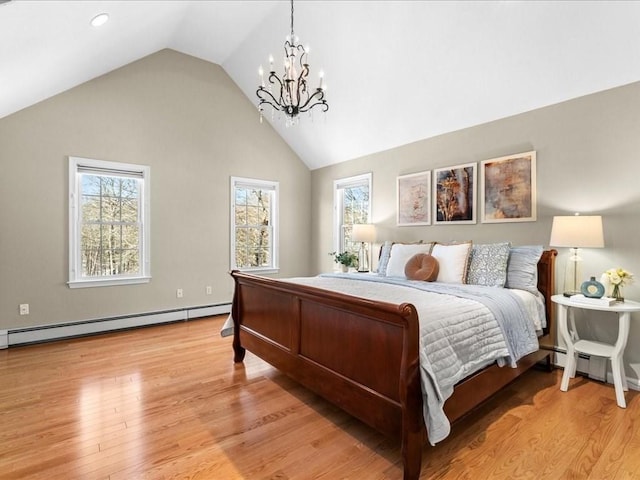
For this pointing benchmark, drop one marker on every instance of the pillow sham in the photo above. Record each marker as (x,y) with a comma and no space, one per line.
(400,255)
(488,264)
(522,267)
(422,266)
(452,261)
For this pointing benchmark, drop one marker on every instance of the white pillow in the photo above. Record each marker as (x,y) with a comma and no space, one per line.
(452,261)
(400,255)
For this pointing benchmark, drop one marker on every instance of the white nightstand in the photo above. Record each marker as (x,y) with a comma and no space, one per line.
(590,347)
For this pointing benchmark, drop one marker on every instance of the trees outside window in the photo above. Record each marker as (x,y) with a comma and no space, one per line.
(352,205)
(108,217)
(254,229)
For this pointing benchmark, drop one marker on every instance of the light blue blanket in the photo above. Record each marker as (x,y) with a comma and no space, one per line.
(454,348)
(507,308)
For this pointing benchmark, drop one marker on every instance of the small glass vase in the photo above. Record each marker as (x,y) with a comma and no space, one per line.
(617,293)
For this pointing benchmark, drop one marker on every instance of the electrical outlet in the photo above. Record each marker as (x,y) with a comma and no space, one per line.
(24,309)
(209,290)
(179,293)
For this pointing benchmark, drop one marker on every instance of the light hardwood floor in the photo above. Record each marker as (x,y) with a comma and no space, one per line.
(168,402)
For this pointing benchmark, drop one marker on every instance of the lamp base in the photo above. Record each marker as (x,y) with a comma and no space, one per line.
(573,274)
(363,259)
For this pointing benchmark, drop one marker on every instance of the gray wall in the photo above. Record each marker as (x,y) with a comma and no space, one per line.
(186,119)
(587,161)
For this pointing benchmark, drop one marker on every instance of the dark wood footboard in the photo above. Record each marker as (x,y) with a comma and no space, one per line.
(359,354)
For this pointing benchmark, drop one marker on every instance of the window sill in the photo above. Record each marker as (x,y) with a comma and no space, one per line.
(104,282)
(259,270)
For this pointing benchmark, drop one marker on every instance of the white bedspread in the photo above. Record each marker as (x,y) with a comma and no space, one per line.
(462,336)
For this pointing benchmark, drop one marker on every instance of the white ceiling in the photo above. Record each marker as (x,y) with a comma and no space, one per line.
(397,71)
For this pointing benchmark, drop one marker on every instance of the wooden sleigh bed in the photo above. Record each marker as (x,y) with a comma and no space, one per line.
(329,341)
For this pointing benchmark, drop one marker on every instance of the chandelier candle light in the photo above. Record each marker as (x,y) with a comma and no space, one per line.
(291,94)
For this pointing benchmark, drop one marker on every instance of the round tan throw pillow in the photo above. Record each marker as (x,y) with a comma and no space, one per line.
(422,266)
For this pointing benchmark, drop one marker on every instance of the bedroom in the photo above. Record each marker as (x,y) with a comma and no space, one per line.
(188,120)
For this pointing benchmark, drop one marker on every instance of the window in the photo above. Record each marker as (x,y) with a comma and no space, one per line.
(254,224)
(108,223)
(352,205)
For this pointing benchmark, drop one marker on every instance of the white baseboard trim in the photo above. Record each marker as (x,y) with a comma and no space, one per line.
(583,368)
(208,311)
(45,333)
(4,339)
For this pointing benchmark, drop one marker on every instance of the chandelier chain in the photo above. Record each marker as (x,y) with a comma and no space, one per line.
(292,37)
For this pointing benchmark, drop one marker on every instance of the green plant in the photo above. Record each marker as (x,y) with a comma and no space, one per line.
(347,259)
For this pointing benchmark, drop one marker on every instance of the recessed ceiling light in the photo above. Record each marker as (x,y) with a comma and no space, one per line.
(100,19)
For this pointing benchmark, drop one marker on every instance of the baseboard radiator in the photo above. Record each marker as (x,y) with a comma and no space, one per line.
(594,368)
(46,333)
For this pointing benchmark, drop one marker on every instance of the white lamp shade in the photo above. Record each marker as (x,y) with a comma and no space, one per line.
(363,232)
(577,231)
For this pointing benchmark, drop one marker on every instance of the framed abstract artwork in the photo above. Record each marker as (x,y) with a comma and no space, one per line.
(414,199)
(455,195)
(508,188)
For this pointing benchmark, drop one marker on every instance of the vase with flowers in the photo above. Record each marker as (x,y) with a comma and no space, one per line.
(615,279)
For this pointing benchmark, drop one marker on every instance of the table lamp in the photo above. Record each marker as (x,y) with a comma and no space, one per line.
(576,231)
(363,233)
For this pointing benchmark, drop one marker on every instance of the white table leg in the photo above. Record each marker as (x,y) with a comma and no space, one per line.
(617,365)
(573,335)
(569,366)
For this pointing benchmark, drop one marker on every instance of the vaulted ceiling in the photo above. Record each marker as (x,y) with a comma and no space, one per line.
(397,71)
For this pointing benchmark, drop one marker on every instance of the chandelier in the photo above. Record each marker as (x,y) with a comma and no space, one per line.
(291,94)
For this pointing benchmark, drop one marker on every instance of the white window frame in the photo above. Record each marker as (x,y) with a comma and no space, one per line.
(77,166)
(338,207)
(264,185)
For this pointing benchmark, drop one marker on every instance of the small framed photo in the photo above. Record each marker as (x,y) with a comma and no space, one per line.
(455,195)
(508,188)
(414,199)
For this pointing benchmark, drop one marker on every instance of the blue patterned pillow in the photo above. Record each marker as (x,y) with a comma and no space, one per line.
(385,254)
(488,264)
(522,269)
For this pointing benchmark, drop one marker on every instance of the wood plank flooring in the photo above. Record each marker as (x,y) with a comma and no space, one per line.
(167,402)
